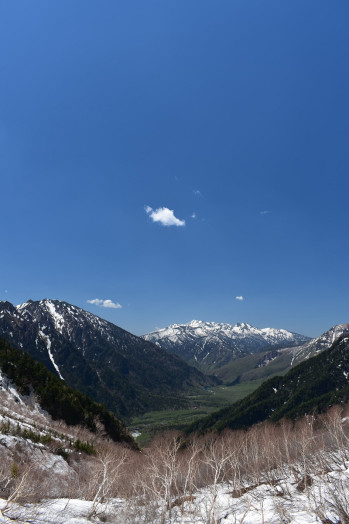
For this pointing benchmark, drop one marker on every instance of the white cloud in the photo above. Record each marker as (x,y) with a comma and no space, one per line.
(105,303)
(164,216)
(193,215)
(197,192)
(240,297)
(266,212)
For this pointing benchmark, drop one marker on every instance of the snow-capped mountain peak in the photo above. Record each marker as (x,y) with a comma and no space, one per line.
(212,342)
(242,325)
(60,316)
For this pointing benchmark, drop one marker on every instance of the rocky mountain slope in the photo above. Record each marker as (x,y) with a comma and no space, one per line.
(210,345)
(317,345)
(126,373)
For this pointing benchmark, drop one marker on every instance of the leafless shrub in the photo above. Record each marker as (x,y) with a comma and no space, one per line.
(100,477)
(19,484)
(338,498)
(337,436)
(282,512)
(161,471)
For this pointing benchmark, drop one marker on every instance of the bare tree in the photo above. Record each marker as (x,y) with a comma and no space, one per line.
(104,476)
(216,457)
(161,470)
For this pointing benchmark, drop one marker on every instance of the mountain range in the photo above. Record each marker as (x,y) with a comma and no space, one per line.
(124,372)
(241,352)
(132,375)
(211,345)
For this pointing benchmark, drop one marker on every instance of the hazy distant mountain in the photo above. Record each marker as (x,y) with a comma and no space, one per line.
(210,345)
(126,373)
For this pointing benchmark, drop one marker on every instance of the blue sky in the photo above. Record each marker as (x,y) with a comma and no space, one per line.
(234,115)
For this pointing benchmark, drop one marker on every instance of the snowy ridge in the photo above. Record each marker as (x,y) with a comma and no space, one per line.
(51,323)
(196,329)
(53,317)
(197,340)
(315,346)
(61,316)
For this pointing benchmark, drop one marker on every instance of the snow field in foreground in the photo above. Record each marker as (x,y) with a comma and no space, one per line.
(284,502)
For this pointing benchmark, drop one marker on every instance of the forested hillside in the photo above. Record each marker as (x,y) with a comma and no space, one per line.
(311,386)
(56,397)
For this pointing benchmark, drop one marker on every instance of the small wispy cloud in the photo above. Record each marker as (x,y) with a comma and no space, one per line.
(164,216)
(105,303)
(193,215)
(239,297)
(265,212)
(197,192)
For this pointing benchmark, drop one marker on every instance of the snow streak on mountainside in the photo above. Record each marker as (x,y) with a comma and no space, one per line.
(212,344)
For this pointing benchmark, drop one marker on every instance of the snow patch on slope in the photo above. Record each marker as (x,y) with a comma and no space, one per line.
(58,319)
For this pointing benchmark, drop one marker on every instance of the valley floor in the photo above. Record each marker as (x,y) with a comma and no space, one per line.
(202,404)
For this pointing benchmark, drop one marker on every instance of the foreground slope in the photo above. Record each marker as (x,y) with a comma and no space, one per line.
(112,366)
(312,385)
(290,473)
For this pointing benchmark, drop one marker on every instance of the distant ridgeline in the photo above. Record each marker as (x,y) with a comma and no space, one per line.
(312,386)
(56,397)
(209,345)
